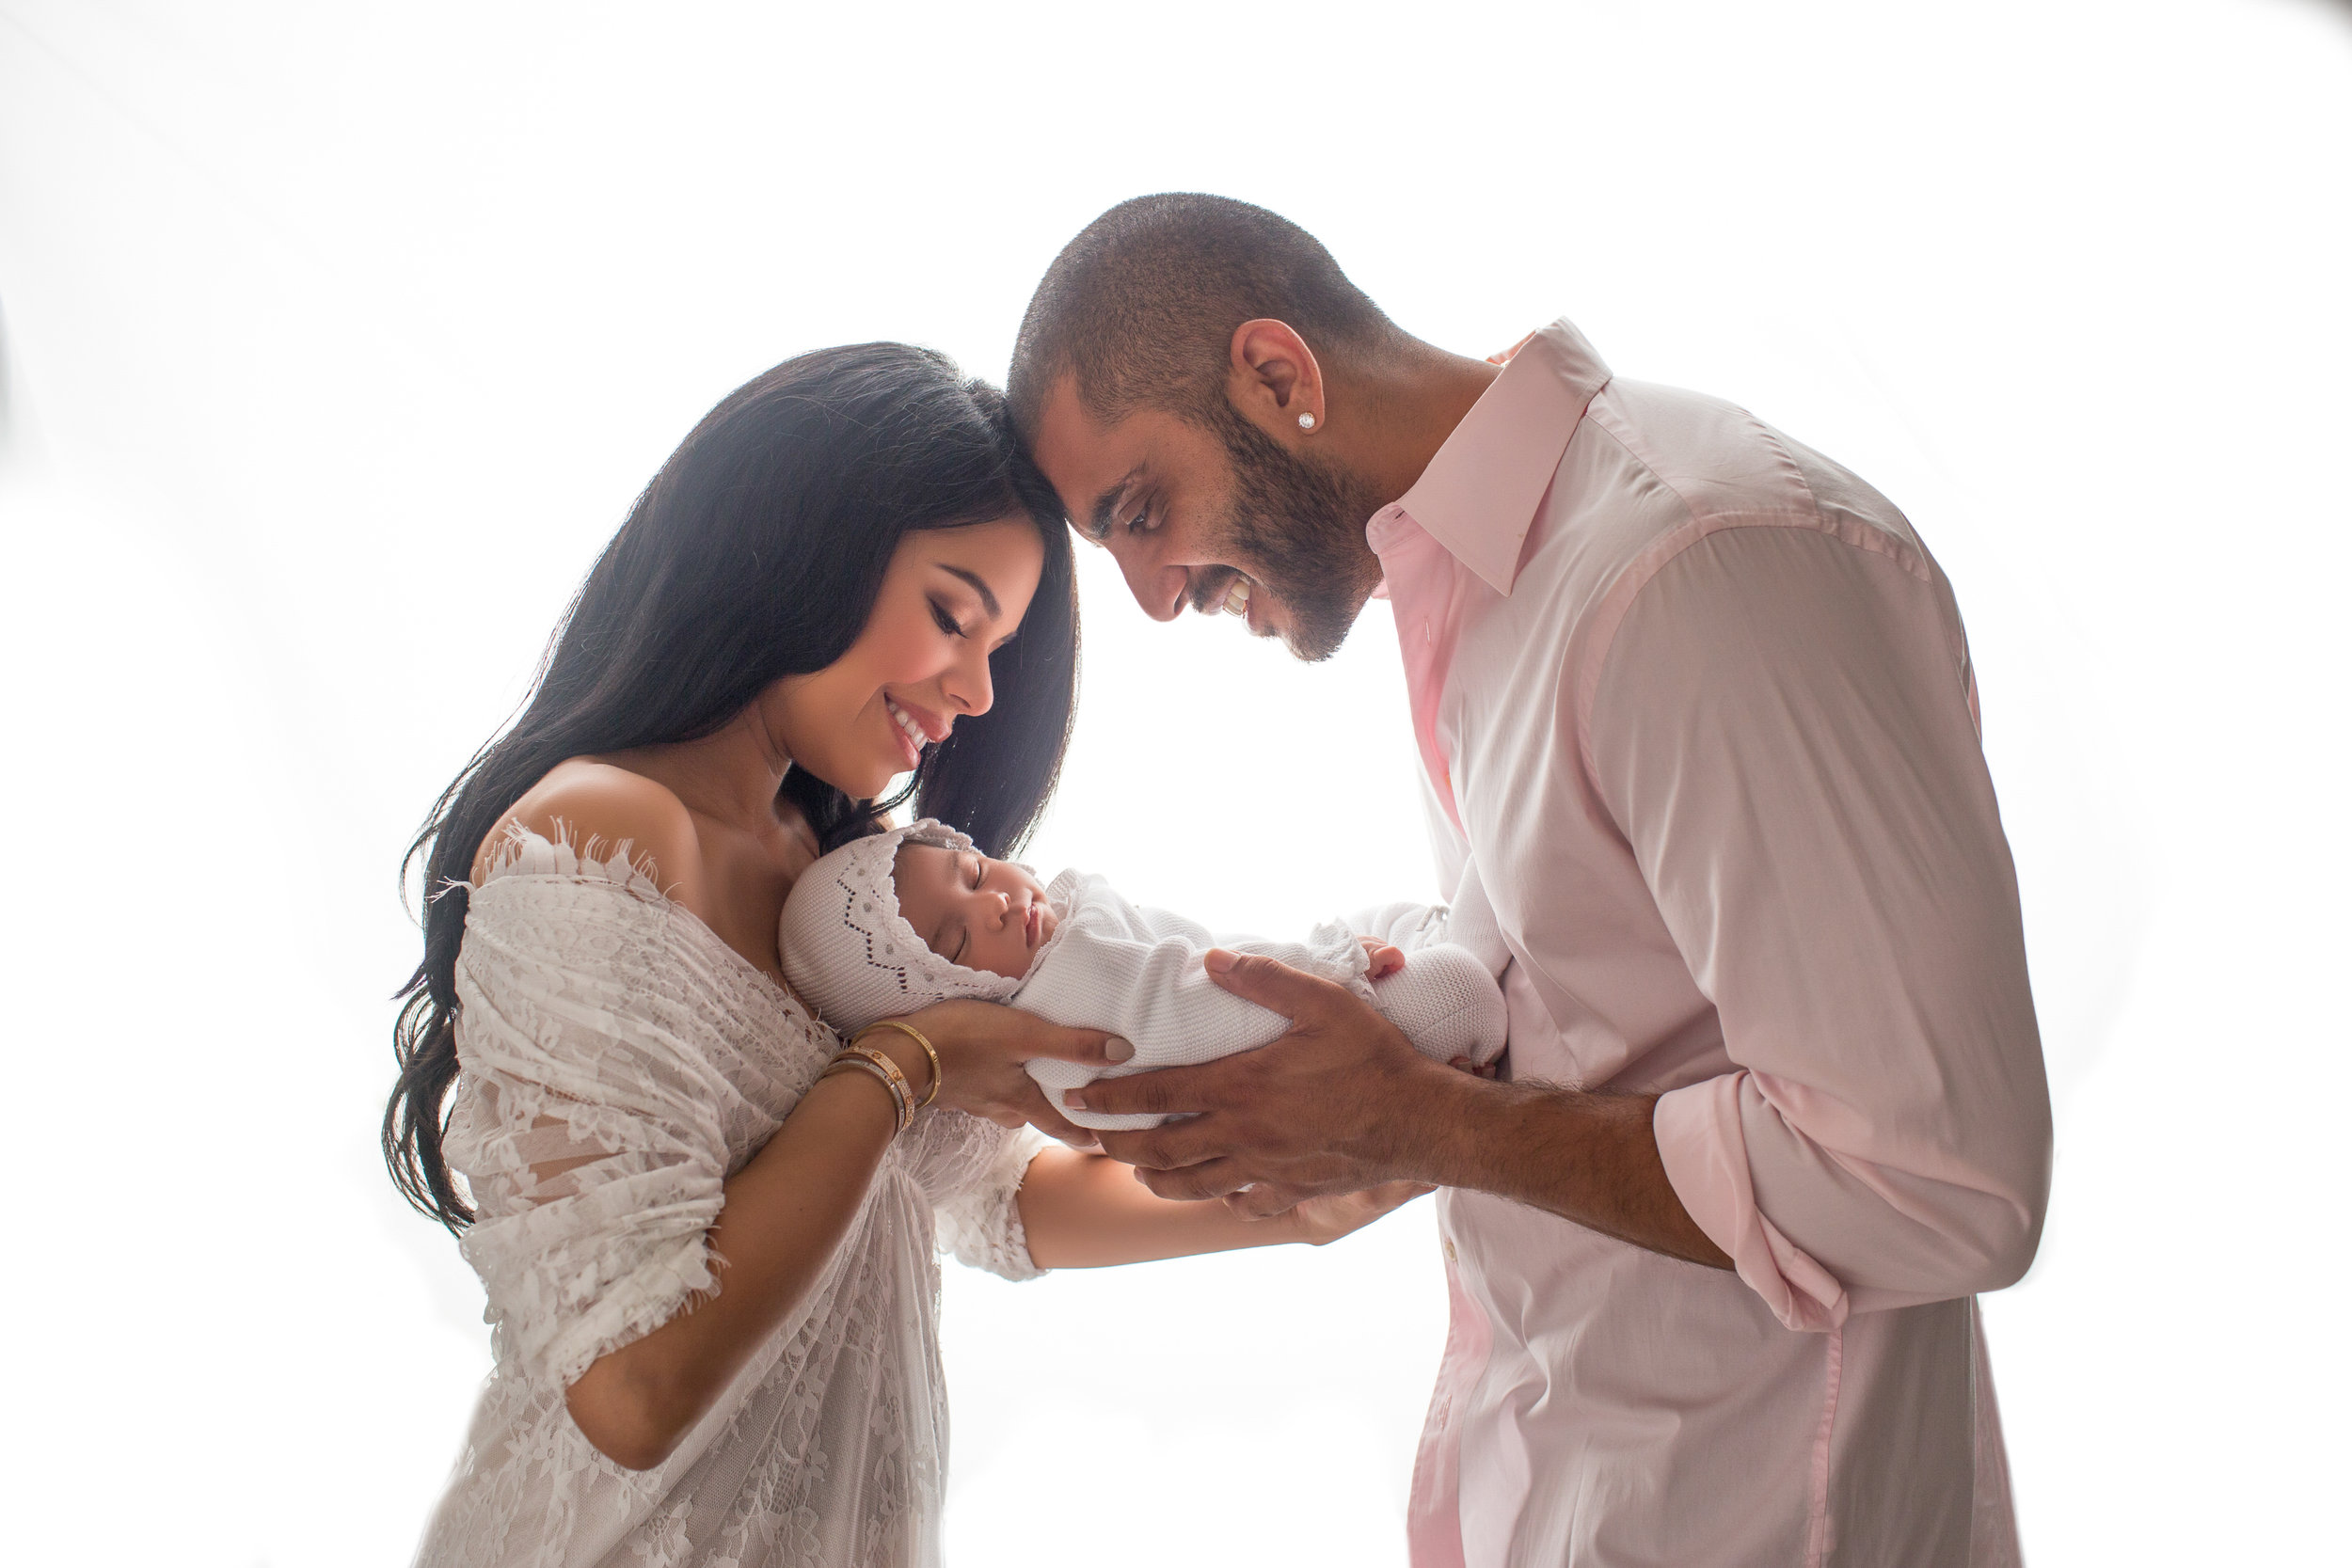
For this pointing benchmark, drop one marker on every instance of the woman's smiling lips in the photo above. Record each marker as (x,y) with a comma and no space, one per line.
(915,726)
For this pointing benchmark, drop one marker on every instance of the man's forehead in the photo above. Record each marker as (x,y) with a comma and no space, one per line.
(1080,454)
(1092,464)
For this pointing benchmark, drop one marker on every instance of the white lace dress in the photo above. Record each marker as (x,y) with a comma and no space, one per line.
(600,1022)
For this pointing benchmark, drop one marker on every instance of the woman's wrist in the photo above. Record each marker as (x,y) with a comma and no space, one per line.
(910,1051)
(879,1096)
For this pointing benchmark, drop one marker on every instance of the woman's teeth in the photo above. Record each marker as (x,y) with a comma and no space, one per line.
(1237,598)
(914,730)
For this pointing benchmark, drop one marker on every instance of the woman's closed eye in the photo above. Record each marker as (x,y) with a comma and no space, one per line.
(947,623)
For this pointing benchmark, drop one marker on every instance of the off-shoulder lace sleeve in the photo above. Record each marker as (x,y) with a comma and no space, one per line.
(981,1224)
(603,1087)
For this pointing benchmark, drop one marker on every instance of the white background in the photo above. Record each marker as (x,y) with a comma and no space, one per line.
(337,338)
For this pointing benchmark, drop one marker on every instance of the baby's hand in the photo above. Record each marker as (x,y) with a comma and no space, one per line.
(1386,961)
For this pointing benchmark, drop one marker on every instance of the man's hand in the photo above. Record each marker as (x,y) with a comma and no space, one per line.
(1320,1220)
(1333,1106)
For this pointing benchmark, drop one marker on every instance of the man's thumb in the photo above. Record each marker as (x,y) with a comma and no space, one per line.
(1268,982)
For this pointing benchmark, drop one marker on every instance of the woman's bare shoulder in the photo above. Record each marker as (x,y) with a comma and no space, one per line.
(585,803)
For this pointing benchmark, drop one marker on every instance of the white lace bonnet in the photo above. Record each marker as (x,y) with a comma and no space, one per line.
(851,954)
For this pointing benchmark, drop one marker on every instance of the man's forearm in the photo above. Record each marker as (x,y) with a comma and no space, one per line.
(1590,1158)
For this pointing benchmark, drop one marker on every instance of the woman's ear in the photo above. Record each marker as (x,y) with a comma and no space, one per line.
(1275,381)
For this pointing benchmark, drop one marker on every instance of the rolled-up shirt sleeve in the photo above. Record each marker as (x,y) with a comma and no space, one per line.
(1783,730)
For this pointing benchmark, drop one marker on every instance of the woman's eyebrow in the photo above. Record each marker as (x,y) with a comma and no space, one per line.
(978,584)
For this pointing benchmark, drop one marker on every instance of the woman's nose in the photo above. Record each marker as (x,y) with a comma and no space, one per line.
(968,686)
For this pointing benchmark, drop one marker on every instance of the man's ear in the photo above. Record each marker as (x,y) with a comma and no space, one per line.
(1275,381)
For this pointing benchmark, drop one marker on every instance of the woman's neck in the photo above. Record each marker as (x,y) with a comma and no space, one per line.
(732,774)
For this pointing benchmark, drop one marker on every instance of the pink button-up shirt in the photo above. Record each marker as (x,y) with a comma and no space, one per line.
(1695,704)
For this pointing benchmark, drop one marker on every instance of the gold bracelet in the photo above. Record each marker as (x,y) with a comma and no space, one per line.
(863,1064)
(888,1068)
(916,1036)
(901,1112)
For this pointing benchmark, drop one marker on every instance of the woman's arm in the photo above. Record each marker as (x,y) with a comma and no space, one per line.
(787,1211)
(1089,1211)
(784,1213)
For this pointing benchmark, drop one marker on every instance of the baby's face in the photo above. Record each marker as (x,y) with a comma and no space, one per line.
(984,915)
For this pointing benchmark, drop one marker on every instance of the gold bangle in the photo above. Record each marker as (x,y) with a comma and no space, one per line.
(881,1063)
(916,1036)
(901,1112)
(882,1071)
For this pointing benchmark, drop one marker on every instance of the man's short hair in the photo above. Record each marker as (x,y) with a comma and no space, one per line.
(1143,305)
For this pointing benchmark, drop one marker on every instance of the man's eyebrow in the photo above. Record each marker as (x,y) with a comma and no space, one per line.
(979,586)
(1099,524)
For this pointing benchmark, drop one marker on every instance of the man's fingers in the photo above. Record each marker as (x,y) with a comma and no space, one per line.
(1265,1201)
(1170,1091)
(1192,1183)
(1165,1147)
(1269,982)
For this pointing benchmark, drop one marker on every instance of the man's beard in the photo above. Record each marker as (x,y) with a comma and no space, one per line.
(1300,526)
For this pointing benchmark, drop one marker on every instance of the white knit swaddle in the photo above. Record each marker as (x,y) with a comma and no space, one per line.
(1118,966)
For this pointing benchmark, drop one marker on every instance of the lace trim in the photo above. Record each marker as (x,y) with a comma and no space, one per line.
(521,851)
(981,1227)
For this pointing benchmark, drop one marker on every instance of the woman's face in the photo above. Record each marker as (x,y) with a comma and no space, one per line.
(950,597)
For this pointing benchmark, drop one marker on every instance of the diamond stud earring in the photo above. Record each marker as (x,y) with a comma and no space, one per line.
(1306,421)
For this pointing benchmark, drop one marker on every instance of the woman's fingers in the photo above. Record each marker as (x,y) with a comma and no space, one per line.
(1038,1112)
(1090,1046)
(1168,1091)
(1009,1035)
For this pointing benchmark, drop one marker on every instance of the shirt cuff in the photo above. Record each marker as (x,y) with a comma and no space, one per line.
(1705,1149)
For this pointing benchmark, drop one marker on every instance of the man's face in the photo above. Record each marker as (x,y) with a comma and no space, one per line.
(1217,516)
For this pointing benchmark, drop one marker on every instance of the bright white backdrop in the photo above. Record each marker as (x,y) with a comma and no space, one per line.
(337,338)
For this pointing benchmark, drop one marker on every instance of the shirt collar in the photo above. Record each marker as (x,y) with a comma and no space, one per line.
(1478,496)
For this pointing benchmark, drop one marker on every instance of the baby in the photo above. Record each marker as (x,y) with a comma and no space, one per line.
(893,923)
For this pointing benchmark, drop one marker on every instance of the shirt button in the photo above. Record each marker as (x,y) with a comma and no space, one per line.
(1449,1249)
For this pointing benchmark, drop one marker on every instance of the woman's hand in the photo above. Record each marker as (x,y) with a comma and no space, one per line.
(982,1046)
(1327,1219)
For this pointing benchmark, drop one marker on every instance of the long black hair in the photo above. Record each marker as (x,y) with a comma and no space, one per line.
(756,553)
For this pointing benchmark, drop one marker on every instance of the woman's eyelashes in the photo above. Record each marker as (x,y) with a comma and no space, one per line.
(947,623)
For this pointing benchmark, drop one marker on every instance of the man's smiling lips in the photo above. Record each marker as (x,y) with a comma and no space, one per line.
(1232,592)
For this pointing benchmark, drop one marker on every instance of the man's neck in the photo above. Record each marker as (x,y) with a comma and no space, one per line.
(1412,403)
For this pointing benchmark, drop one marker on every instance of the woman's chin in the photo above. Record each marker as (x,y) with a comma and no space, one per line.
(865,781)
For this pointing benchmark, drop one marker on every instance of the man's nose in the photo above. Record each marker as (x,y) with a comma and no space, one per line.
(1160,590)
